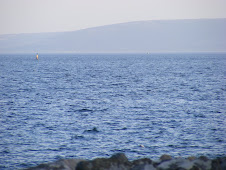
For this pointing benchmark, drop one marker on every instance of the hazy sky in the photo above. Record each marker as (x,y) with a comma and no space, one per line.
(28,16)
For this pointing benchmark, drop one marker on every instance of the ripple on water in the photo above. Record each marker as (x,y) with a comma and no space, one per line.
(96,105)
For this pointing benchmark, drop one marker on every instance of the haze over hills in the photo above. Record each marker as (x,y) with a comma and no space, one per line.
(198,35)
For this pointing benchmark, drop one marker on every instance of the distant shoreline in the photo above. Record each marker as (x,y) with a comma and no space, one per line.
(155,36)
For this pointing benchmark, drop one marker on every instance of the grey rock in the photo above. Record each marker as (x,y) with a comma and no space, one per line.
(202,164)
(191,158)
(142,164)
(120,162)
(64,164)
(219,164)
(116,162)
(179,163)
(203,158)
(144,167)
(165,158)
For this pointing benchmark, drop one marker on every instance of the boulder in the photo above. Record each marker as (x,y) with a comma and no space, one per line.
(165,158)
(142,164)
(202,163)
(120,162)
(218,164)
(116,162)
(179,163)
(64,164)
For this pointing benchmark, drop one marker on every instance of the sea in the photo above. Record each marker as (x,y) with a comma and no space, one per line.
(65,106)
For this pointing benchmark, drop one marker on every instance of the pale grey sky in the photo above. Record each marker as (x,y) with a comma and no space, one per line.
(30,16)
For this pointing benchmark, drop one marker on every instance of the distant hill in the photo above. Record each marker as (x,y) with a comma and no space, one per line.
(200,35)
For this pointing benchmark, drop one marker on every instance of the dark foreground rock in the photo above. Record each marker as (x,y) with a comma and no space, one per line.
(120,162)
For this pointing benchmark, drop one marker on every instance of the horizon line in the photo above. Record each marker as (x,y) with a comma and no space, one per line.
(147,53)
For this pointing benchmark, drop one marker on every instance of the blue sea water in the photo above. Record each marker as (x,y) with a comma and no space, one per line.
(95,105)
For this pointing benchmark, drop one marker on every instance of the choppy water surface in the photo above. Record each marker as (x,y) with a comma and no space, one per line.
(87,106)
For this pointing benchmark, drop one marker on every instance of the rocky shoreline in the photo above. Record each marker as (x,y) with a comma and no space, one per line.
(120,162)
